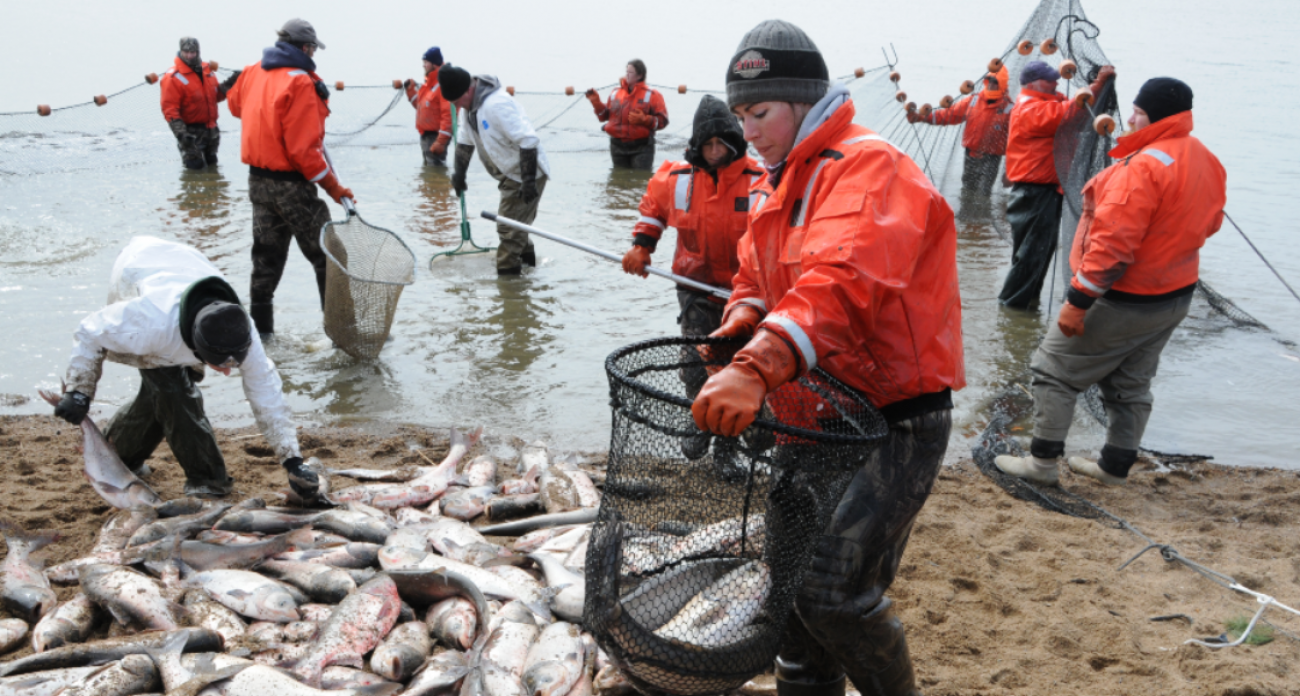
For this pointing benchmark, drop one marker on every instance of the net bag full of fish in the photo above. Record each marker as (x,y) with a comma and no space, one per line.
(367,270)
(702,542)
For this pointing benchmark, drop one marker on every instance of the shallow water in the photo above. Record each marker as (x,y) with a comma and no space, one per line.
(525,356)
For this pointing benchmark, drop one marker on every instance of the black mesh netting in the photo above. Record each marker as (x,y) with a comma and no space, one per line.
(367,270)
(701,543)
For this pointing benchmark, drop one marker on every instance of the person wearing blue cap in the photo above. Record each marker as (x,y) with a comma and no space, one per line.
(432,112)
(1034,207)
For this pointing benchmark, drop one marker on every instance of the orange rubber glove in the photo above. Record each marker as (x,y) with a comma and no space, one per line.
(742,320)
(596,103)
(732,398)
(640,118)
(635,261)
(1071,320)
(439,146)
(336,190)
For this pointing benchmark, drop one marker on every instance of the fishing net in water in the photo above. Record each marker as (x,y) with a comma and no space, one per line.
(701,543)
(367,270)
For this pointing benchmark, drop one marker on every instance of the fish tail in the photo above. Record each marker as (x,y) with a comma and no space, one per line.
(34,540)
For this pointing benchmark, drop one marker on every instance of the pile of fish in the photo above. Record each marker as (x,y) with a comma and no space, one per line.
(386,588)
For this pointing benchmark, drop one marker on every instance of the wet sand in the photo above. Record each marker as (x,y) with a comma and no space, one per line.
(998,595)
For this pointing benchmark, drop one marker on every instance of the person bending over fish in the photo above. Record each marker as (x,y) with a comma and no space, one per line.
(171,313)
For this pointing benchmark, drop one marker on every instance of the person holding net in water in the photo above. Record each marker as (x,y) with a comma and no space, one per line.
(189,94)
(850,265)
(1034,209)
(987,115)
(1135,258)
(632,115)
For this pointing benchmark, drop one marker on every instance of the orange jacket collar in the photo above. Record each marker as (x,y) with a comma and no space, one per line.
(1176,126)
(1048,96)
(182,66)
(431,78)
(818,139)
(622,84)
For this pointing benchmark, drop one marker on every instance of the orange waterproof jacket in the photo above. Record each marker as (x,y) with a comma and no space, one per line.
(710,218)
(283,120)
(188,97)
(1146,217)
(1034,122)
(853,257)
(622,103)
(432,112)
(986,119)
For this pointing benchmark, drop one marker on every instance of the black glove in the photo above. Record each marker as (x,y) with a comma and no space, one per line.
(229,82)
(528,174)
(463,153)
(178,127)
(302,480)
(322,91)
(73,407)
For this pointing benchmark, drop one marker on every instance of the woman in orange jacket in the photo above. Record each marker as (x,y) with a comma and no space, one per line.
(1135,260)
(850,265)
(987,115)
(631,116)
(432,112)
(189,94)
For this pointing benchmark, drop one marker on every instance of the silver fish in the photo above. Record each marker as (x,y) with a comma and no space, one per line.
(115,533)
(428,486)
(204,556)
(722,613)
(320,582)
(12,632)
(250,594)
(339,677)
(507,646)
(48,683)
(355,525)
(555,662)
(482,471)
(405,473)
(355,554)
(413,517)
(402,652)
(130,596)
(108,649)
(320,613)
(264,521)
(354,629)
(517,527)
(532,541)
(466,503)
(259,680)
(661,550)
(439,675)
(489,583)
(71,622)
(26,590)
(205,613)
(110,478)
(454,622)
(568,603)
(172,525)
(133,674)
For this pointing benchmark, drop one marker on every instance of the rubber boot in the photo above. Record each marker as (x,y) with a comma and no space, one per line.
(882,665)
(790,681)
(529,257)
(263,314)
(1031,468)
(804,667)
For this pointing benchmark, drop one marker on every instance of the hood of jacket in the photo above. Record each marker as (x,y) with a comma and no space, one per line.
(487,84)
(714,120)
(286,55)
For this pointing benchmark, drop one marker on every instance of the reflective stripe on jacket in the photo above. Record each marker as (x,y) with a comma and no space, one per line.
(432,112)
(622,103)
(1146,217)
(854,258)
(1034,122)
(987,121)
(188,97)
(140,327)
(709,218)
(283,120)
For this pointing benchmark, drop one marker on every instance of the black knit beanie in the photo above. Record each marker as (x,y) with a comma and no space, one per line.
(221,331)
(1162,97)
(453,81)
(776,61)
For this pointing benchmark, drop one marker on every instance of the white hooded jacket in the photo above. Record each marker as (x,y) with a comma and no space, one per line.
(140,327)
(500,128)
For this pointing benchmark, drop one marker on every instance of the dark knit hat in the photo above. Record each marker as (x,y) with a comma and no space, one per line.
(189,43)
(434,55)
(1162,97)
(776,61)
(221,334)
(714,120)
(1036,70)
(453,81)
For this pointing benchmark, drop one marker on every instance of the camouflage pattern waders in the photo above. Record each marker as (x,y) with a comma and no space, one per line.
(431,160)
(170,406)
(515,246)
(198,145)
(284,211)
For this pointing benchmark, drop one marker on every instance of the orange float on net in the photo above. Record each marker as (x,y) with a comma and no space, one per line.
(1083,99)
(967,87)
(100,100)
(339,85)
(1025,47)
(859,72)
(1068,69)
(901,96)
(151,78)
(894,76)
(925,111)
(910,107)
(568,91)
(681,89)
(43,109)
(995,65)
(397,84)
(1048,47)
(510,89)
(1104,124)
(945,102)
(214,65)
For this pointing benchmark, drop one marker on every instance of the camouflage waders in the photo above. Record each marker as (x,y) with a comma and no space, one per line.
(284,210)
(198,145)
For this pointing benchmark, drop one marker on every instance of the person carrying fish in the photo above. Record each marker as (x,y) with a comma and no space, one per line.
(1034,209)
(283,104)
(986,114)
(509,149)
(631,116)
(189,94)
(849,265)
(1135,258)
(170,314)
(432,112)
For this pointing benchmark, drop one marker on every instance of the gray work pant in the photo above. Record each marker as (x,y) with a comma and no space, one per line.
(431,160)
(1119,351)
(514,242)
(169,406)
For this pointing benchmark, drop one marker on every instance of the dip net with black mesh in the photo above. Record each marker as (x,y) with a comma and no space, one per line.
(367,270)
